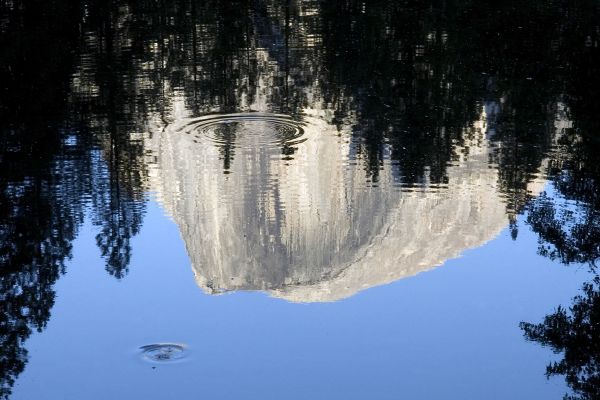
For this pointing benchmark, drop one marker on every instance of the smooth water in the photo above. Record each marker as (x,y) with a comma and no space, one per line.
(299,199)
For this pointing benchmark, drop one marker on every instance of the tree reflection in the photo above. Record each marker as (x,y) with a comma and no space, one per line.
(576,334)
(39,212)
(568,222)
(49,170)
(569,232)
(404,86)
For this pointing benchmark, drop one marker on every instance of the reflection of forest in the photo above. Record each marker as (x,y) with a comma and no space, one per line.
(572,236)
(569,231)
(84,80)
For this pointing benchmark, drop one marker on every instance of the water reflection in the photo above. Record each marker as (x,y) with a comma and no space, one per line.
(412,131)
(53,168)
(568,225)
(574,334)
(309,226)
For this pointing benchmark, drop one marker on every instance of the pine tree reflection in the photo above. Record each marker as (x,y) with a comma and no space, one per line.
(571,233)
(574,333)
(119,204)
(403,85)
(569,230)
(48,172)
(39,208)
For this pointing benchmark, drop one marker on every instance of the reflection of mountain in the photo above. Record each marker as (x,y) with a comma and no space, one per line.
(307,227)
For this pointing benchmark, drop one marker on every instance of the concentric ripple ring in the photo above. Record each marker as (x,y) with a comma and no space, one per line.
(163,352)
(262,128)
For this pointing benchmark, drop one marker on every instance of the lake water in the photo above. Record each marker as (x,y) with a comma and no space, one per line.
(299,199)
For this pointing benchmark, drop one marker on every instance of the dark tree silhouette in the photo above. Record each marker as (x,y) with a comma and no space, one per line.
(568,220)
(576,334)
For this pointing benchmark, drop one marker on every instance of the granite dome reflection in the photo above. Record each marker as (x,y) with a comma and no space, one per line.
(304,223)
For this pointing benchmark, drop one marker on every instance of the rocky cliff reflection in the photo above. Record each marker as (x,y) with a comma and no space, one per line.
(292,213)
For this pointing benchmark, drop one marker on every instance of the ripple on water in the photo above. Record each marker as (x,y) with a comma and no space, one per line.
(246,129)
(163,352)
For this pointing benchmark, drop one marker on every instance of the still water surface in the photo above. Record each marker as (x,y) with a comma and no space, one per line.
(299,199)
